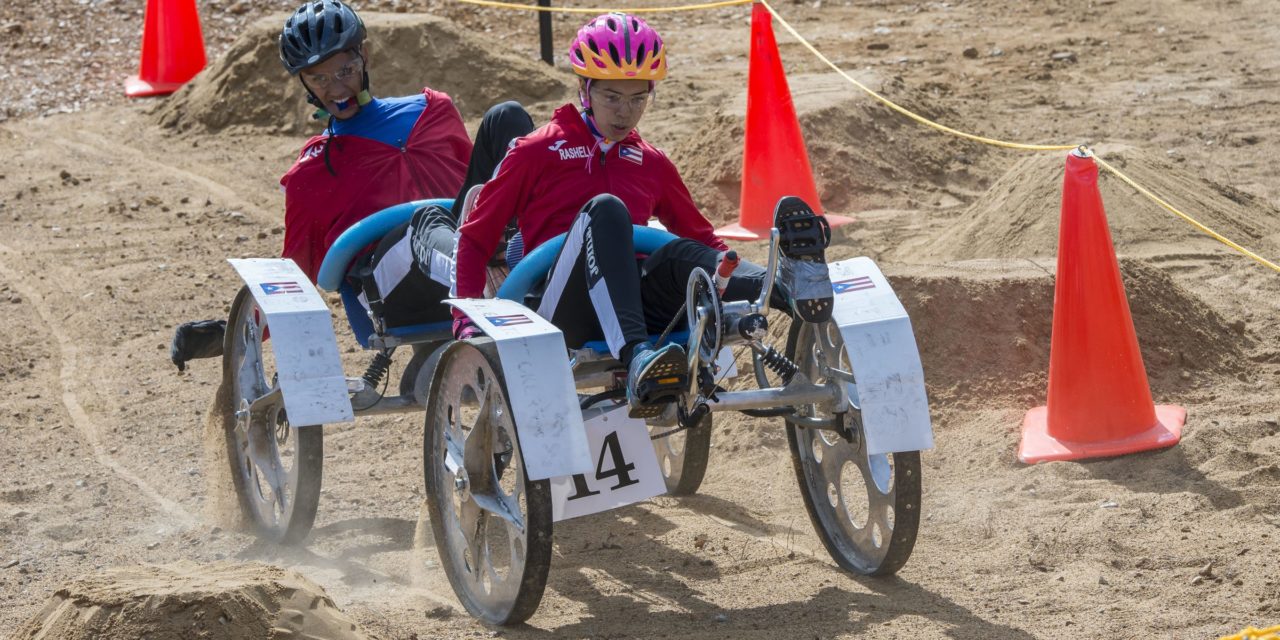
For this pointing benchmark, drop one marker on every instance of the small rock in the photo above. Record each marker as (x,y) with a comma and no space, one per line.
(700,541)
(720,617)
(1109,504)
(64,174)
(1102,580)
(152,546)
(878,46)
(439,613)
(1207,570)
(80,484)
(239,8)
(13,28)
(882,31)
(1063,56)
(970,52)
(1185,375)
(10,564)
(1197,580)
(996,52)
(1023,601)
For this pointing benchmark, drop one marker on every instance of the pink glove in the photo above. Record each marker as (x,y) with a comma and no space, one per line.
(463,327)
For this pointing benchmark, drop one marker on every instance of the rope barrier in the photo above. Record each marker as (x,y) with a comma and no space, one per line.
(1192,221)
(903,110)
(529,7)
(1022,146)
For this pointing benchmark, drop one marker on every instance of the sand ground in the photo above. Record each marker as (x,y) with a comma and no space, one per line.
(114,227)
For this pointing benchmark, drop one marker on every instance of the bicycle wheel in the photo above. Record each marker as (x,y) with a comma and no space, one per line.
(683,455)
(865,508)
(276,468)
(492,525)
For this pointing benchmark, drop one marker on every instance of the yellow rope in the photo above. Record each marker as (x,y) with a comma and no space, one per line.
(1270,633)
(1195,223)
(904,111)
(530,7)
(900,109)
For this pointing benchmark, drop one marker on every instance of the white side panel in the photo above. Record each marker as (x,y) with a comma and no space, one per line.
(540,386)
(616,441)
(886,362)
(302,340)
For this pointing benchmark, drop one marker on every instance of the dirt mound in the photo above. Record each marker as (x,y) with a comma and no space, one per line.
(864,156)
(186,600)
(1018,216)
(248,87)
(984,330)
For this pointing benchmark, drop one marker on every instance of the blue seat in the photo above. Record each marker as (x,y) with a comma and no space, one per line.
(530,271)
(349,245)
(533,268)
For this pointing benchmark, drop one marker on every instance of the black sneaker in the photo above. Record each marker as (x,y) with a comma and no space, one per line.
(803,237)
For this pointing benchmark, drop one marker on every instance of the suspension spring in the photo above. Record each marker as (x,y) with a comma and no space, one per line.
(779,363)
(377,369)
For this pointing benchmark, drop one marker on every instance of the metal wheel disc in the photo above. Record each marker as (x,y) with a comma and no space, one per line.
(492,525)
(866,508)
(276,467)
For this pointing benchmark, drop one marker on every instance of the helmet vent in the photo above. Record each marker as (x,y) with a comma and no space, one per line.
(613,53)
(640,55)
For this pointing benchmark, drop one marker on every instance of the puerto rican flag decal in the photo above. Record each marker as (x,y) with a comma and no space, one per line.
(853,284)
(633,154)
(274,288)
(509,320)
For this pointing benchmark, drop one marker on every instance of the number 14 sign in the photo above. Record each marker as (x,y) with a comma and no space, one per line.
(626,467)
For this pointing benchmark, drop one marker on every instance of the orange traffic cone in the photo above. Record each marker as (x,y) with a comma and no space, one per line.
(172,49)
(774,160)
(1099,399)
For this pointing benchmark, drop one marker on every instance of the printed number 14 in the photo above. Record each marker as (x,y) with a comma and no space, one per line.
(621,469)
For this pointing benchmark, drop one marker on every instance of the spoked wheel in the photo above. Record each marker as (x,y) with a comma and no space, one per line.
(276,468)
(866,509)
(683,455)
(492,525)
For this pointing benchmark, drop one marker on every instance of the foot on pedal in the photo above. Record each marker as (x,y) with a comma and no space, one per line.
(655,378)
(803,236)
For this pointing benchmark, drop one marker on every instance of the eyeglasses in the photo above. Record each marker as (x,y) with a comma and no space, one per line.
(615,101)
(321,81)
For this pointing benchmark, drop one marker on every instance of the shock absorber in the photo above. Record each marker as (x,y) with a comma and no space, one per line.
(377,369)
(776,362)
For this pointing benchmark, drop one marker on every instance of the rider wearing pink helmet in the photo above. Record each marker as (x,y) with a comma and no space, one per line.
(589,174)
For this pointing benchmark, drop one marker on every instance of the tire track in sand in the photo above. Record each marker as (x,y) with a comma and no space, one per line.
(67,354)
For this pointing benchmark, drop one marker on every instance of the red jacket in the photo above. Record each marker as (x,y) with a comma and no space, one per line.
(372,176)
(551,173)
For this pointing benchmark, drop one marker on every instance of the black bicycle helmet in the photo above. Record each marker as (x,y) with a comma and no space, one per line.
(317,30)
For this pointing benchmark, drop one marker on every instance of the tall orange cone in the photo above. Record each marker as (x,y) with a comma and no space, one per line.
(1099,399)
(774,160)
(172,49)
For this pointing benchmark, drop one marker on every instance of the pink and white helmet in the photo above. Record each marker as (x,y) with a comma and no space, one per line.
(618,46)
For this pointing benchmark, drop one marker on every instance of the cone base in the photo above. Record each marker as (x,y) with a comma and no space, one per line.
(737,231)
(1038,446)
(135,87)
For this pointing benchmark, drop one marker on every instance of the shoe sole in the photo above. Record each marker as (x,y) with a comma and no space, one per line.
(661,383)
(804,236)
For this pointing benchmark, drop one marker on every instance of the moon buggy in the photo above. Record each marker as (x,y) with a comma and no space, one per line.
(521,432)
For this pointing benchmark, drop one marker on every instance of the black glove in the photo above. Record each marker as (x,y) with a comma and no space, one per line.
(198,339)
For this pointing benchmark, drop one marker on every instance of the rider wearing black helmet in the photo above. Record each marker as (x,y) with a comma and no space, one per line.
(377,152)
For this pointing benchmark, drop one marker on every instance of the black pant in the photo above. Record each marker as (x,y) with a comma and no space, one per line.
(396,279)
(597,289)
